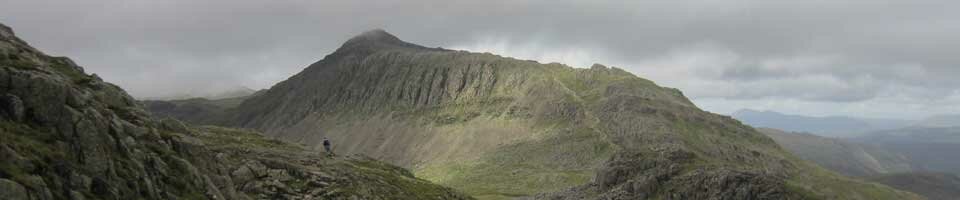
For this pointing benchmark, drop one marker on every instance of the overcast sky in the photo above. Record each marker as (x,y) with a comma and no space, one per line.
(866,58)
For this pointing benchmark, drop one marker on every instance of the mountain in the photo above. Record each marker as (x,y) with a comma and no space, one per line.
(848,158)
(835,126)
(500,128)
(65,134)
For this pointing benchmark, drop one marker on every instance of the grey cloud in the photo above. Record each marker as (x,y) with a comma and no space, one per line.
(769,49)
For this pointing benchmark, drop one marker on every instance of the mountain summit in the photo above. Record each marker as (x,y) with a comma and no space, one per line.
(375,40)
(497,127)
(375,36)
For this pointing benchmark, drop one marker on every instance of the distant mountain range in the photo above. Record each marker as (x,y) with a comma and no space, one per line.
(833,126)
(850,158)
(940,121)
(238,91)
(924,144)
(916,156)
(929,148)
(196,111)
(934,186)
(916,159)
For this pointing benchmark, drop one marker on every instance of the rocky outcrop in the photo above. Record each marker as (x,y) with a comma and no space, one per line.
(68,135)
(11,107)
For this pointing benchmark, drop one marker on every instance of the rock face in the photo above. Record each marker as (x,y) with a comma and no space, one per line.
(68,135)
(498,127)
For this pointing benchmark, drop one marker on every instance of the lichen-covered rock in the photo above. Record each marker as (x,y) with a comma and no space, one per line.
(12,190)
(11,107)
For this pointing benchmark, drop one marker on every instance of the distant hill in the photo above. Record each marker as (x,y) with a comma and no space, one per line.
(888,151)
(196,111)
(239,91)
(939,121)
(842,156)
(934,186)
(899,165)
(930,149)
(835,126)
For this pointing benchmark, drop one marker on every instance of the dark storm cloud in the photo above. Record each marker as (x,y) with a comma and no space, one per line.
(826,51)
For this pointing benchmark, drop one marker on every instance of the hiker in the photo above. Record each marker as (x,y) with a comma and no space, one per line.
(326,146)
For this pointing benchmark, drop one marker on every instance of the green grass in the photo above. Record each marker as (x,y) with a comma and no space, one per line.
(36,147)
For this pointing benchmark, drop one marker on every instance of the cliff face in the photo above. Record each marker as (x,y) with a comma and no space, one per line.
(68,135)
(499,127)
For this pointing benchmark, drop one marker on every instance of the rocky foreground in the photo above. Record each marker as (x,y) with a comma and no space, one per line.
(68,135)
